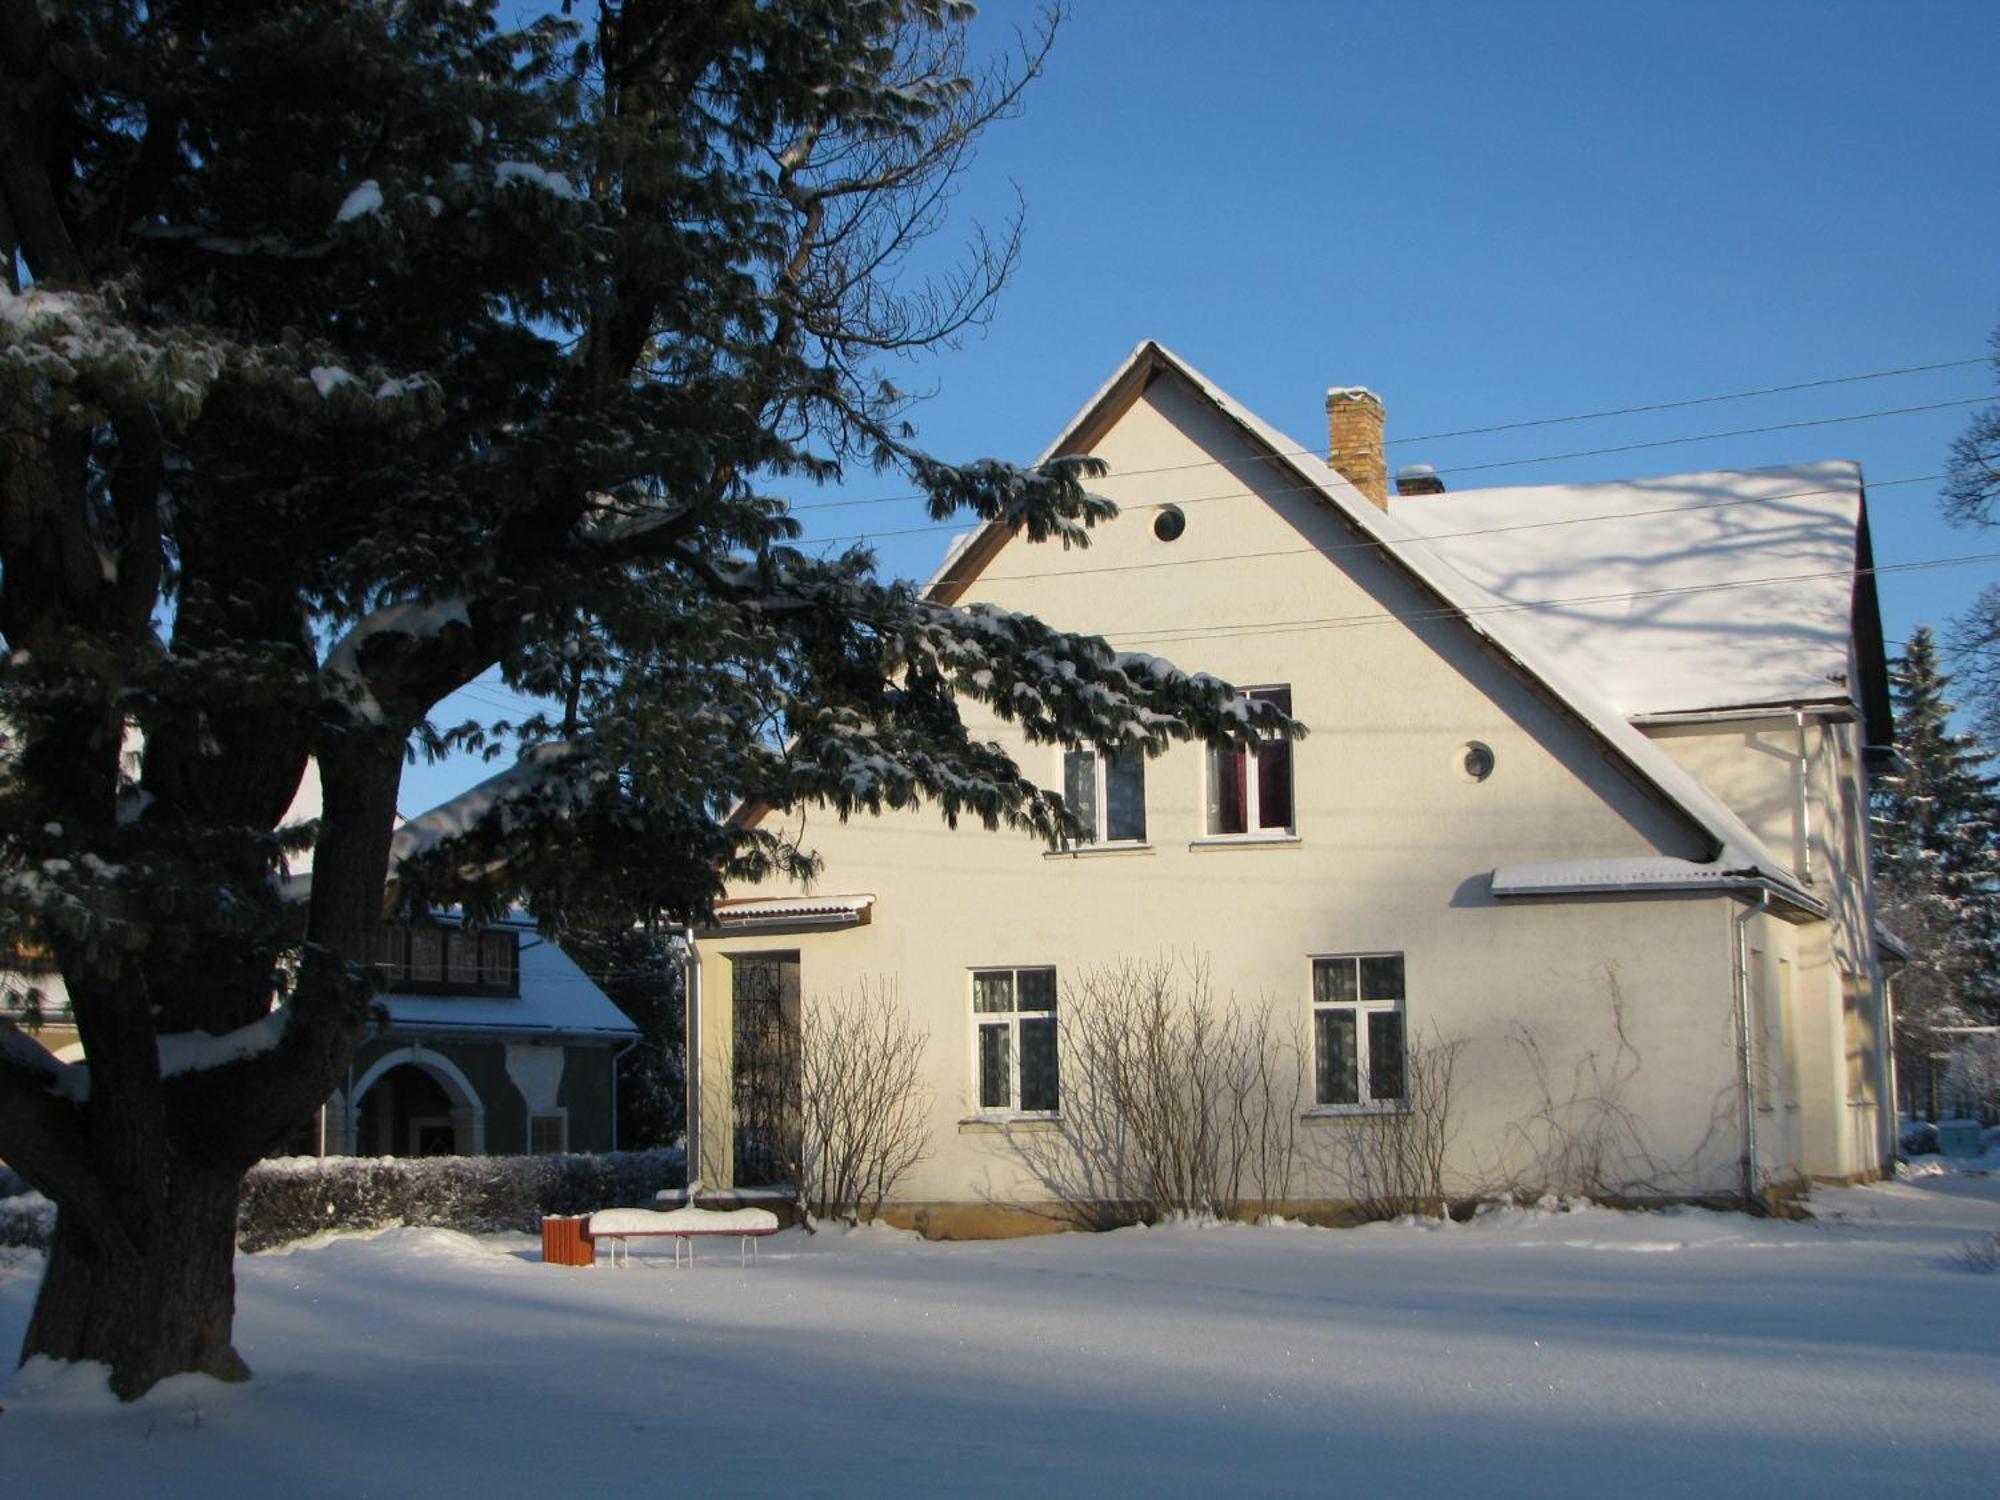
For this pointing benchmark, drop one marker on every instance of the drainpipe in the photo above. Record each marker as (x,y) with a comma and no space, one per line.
(1805,800)
(691,1061)
(1890,1116)
(1746,1058)
(616,1058)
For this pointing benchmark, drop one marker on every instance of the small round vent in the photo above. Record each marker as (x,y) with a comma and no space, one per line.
(1169,523)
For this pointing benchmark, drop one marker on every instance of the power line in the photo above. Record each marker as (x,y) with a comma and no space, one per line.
(1443,536)
(1704,437)
(1535,422)
(1631,411)
(1463,468)
(1231,631)
(1337,622)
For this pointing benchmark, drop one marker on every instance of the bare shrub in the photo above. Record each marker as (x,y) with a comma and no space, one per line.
(1394,1159)
(1972,1077)
(1583,1137)
(1173,1102)
(862,1101)
(1265,1078)
(831,1104)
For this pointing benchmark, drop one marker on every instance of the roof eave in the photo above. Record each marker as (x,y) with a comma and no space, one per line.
(1790,901)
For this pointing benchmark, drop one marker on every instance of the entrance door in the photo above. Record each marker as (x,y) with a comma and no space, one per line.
(432,1137)
(764,996)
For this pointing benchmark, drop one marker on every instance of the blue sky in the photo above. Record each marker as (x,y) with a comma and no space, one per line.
(1494,213)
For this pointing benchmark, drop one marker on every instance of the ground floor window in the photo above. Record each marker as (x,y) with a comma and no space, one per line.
(1015,1040)
(1358,1029)
(548,1135)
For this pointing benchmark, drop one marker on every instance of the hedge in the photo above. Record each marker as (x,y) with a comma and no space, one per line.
(26,1219)
(293,1197)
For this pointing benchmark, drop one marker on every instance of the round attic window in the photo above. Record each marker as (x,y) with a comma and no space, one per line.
(1475,760)
(1169,523)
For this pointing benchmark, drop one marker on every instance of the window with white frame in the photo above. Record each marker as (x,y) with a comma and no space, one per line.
(1014,1043)
(1108,795)
(1250,791)
(1358,1030)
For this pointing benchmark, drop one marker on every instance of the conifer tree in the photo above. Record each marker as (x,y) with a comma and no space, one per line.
(1937,875)
(350,349)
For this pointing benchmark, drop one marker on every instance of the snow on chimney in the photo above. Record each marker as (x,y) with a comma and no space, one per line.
(1354,440)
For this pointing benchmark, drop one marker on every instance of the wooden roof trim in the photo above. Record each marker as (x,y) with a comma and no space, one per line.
(1082,436)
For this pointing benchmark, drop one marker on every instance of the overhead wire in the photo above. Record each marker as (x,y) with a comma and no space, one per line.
(1524,425)
(1705,437)
(1701,437)
(1381,543)
(499,697)
(1633,411)
(1454,612)
(1232,631)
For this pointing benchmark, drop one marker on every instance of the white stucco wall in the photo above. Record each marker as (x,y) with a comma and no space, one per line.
(1607,1016)
(1818,820)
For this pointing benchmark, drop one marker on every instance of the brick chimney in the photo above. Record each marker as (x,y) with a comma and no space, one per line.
(1354,440)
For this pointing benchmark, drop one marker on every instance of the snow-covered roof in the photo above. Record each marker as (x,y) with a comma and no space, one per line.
(1678,594)
(1739,852)
(557,998)
(540,779)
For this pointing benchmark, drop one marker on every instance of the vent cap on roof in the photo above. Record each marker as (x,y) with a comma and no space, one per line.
(1418,479)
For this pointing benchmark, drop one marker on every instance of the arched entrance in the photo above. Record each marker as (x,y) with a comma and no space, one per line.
(414,1102)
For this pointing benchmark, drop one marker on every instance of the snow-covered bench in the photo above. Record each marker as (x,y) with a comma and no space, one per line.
(683,1225)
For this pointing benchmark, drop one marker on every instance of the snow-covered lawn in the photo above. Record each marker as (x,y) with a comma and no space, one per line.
(1527,1353)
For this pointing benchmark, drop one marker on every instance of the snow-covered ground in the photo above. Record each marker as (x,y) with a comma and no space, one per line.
(1527,1353)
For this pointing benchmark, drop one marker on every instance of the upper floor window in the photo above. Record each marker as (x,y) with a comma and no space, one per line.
(1250,791)
(1107,794)
(423,958)
(1358,1046)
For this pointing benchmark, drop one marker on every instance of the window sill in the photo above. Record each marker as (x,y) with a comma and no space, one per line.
(1245,841)
(1354,1111)
(1008,1124)
(1097,851)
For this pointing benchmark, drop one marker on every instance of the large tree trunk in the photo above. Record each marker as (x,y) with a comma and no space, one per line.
(162,1303)
(148,1172)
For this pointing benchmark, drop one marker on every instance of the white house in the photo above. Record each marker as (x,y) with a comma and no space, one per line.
(1582,802)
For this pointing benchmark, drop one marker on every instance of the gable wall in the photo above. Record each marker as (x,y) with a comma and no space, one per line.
(1818,822)
(1393,851)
